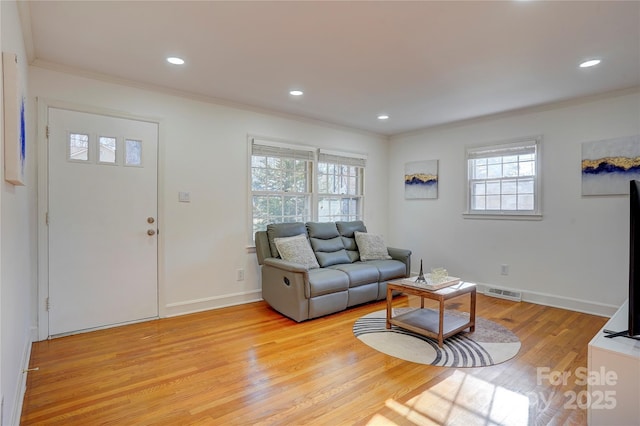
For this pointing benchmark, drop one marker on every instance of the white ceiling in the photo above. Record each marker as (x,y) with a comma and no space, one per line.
(423,63)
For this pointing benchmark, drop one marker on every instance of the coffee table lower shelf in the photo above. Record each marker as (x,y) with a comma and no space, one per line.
(426,322)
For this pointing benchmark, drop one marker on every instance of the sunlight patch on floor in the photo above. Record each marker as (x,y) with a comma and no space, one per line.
(461,399)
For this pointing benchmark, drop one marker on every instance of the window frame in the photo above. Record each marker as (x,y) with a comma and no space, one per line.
(297,152)
(70,155)
(511,147)
(313,176)
(344,160)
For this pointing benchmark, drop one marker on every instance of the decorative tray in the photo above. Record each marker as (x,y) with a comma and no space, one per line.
(430,284)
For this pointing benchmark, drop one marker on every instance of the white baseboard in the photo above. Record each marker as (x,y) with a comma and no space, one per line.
(572,304)
(562,302)
(21,385)
(215,302)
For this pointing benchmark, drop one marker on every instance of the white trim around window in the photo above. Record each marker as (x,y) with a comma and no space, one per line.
(503,180)
(291,182)
(281,180)
(340,186)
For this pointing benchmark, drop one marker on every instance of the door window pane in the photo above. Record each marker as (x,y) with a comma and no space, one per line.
(107,150)
(78,147)
(133,152)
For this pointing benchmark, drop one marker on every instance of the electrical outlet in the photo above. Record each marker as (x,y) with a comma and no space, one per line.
(504,269)
(184,197)
(240,275)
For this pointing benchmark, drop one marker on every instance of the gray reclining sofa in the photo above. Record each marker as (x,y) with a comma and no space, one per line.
(340,278)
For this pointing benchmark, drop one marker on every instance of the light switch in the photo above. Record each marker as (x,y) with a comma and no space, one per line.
(184,197)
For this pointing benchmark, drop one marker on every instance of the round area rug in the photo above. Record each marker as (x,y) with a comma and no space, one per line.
(489,344)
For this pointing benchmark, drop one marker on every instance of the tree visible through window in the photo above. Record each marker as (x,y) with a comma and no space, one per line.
(288,184)
(504,179)
(340,187)
(280,185)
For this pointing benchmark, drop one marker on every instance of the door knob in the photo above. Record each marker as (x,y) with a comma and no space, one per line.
(151,232)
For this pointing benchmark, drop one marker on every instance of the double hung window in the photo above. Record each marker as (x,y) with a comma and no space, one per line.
(504,179)
(293,183)
(340,187)
(281,186)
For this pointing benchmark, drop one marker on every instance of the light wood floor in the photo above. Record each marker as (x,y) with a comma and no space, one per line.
(248,365)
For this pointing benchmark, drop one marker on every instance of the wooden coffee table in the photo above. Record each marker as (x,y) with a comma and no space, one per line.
(426,322)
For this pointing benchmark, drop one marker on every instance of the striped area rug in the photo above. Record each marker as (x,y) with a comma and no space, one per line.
(490,344)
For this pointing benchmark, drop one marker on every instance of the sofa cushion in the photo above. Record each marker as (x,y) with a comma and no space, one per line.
(359,273)
(327,246)
(323,230)
(327,243)
(297,250)
(327,281)
(389,269)
(346,230)
(279,230)
(371,246)
(332,258)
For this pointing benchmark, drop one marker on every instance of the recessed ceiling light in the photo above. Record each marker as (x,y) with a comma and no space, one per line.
(296,92)
(175,61)
(383,117)
(590,63)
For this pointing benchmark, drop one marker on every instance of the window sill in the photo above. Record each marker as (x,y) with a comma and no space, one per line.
(502,216)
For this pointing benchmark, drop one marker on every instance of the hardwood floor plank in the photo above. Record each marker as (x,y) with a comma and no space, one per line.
(247,365)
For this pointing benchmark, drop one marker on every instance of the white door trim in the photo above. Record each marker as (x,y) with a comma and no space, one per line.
(42,296)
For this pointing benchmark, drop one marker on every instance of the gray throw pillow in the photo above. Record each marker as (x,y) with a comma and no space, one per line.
(297,250)
(371,246)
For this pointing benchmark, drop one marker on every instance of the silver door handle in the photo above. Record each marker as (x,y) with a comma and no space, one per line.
(151,232)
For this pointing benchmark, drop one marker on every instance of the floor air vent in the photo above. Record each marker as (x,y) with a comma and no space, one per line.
(516,296)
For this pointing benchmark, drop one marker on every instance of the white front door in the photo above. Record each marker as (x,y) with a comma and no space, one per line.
(102,213)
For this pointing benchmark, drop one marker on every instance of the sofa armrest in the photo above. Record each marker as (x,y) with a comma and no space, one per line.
(286,266)
(293,274)
(263,250)
(285,286)
(403,255)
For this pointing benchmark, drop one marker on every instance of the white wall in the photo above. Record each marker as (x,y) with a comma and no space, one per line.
(576,257)
(204,151)
(17,248)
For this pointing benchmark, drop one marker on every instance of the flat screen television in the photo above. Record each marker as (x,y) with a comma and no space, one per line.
(634,264)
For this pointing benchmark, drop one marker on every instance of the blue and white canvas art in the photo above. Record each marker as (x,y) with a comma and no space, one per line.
(609,165)
(14,138)
(421,179)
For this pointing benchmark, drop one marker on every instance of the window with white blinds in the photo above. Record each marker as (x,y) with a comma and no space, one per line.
(504,179)
(292,183)
(281,189)
(340,187)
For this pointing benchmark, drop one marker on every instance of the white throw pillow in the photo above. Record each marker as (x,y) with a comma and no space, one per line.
(371,246)
(297,250)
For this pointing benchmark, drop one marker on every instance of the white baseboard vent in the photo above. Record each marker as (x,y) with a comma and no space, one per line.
(516,296)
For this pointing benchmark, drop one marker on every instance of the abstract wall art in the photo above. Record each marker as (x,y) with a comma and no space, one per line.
(14,138)
(421,179)
(609,165)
